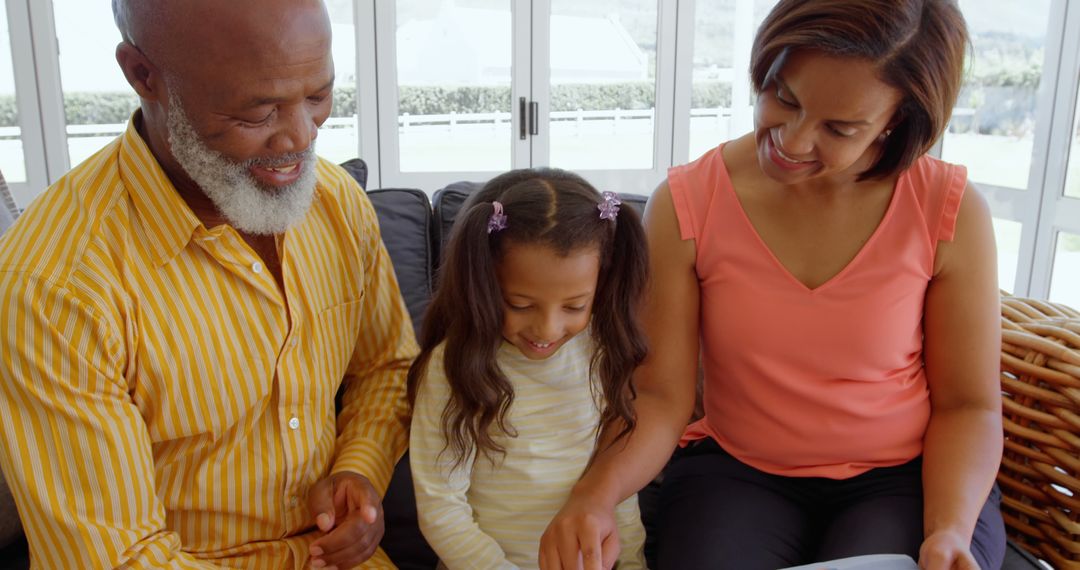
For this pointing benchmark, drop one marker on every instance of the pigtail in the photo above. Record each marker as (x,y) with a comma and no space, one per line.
(466,313)
(621,342)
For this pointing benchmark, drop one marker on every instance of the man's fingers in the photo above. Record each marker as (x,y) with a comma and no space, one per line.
(350,531)
(366,502)
(321,504)
(351,543)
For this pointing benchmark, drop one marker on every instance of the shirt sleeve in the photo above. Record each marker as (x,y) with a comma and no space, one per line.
(374,418)
(446,517)
(73,446)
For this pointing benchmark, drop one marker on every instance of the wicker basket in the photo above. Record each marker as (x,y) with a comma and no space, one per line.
(1040,382)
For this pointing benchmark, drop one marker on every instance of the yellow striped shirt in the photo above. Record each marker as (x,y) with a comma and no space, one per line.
(164,403)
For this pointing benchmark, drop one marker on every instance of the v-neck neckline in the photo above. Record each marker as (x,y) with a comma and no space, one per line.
(729,187)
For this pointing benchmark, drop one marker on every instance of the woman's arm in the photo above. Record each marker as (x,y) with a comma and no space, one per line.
(665,398)
(963,442)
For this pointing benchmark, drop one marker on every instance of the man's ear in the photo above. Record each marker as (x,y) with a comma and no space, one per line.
(143,76)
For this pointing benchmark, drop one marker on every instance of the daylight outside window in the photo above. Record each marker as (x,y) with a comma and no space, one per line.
(12,160)
(992,130)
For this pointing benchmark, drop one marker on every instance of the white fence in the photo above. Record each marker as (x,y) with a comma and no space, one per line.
(451,121)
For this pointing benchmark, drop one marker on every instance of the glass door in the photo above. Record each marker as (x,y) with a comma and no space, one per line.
(996,123)
(603,72)
(472,88)
(22,151)
(453,82)
(721,97)
(1060,212)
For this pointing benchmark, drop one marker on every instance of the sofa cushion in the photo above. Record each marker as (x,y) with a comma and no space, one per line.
(357,168)
(10,527)
(447,202)
(405,224)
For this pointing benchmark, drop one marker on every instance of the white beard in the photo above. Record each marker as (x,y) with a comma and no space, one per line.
(250,206)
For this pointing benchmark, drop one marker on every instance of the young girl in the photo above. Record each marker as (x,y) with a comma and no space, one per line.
(528,345)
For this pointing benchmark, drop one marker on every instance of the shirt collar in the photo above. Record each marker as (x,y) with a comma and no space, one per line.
(168,220)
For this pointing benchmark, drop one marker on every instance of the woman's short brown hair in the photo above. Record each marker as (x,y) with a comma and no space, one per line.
(917,45)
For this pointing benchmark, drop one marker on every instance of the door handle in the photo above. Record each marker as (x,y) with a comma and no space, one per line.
(522,133)
(534,118)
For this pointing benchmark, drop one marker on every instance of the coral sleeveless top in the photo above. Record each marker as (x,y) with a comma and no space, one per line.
(825,382)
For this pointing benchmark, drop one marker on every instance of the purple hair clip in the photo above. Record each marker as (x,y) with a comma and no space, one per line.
(609,207)
(497,221)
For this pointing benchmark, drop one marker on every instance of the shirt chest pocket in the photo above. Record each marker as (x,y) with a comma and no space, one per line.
(204,375)
(335,332)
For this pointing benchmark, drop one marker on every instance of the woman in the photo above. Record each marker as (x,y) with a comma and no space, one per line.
(841,287)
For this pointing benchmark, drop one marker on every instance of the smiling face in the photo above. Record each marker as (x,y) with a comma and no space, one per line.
(234,101)
(547,298)
(821,116)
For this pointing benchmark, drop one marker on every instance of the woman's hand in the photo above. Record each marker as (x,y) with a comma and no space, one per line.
(583,535)
(946,550)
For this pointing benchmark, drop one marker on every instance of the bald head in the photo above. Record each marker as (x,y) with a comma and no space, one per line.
(120,14)
(175,32)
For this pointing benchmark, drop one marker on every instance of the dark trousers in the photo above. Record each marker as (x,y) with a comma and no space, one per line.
(716,512)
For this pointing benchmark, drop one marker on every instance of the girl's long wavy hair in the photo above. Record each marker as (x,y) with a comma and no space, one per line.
(548,207)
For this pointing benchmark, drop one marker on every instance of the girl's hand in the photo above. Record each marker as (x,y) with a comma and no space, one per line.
(947,550)
(583,535)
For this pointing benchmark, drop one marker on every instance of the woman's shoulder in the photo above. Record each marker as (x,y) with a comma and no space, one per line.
(939,187)
(931,171)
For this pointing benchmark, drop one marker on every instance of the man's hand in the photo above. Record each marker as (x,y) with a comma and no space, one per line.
(581,536)
(348,510)
(946,551)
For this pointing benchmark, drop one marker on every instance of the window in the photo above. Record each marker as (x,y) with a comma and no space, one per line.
(721,102)
(603,84)
(992,130)
(430,92)
(453,62)
(338,137)
(1007,236)
(1072,182)
(97,99)
(12,160)
(1065,284)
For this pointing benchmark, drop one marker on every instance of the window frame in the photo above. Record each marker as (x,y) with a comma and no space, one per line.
(1043,209)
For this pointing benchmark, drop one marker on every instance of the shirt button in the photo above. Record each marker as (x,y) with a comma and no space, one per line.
(293,342)
(256,267)
(293,501)
(294,423)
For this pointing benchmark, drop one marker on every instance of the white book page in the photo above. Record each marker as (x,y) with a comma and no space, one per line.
(869,562)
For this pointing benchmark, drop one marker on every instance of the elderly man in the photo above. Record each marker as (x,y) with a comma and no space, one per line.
(180,310)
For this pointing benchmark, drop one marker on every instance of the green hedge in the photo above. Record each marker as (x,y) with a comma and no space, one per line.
(116,107)
(9,116)
(99,108)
